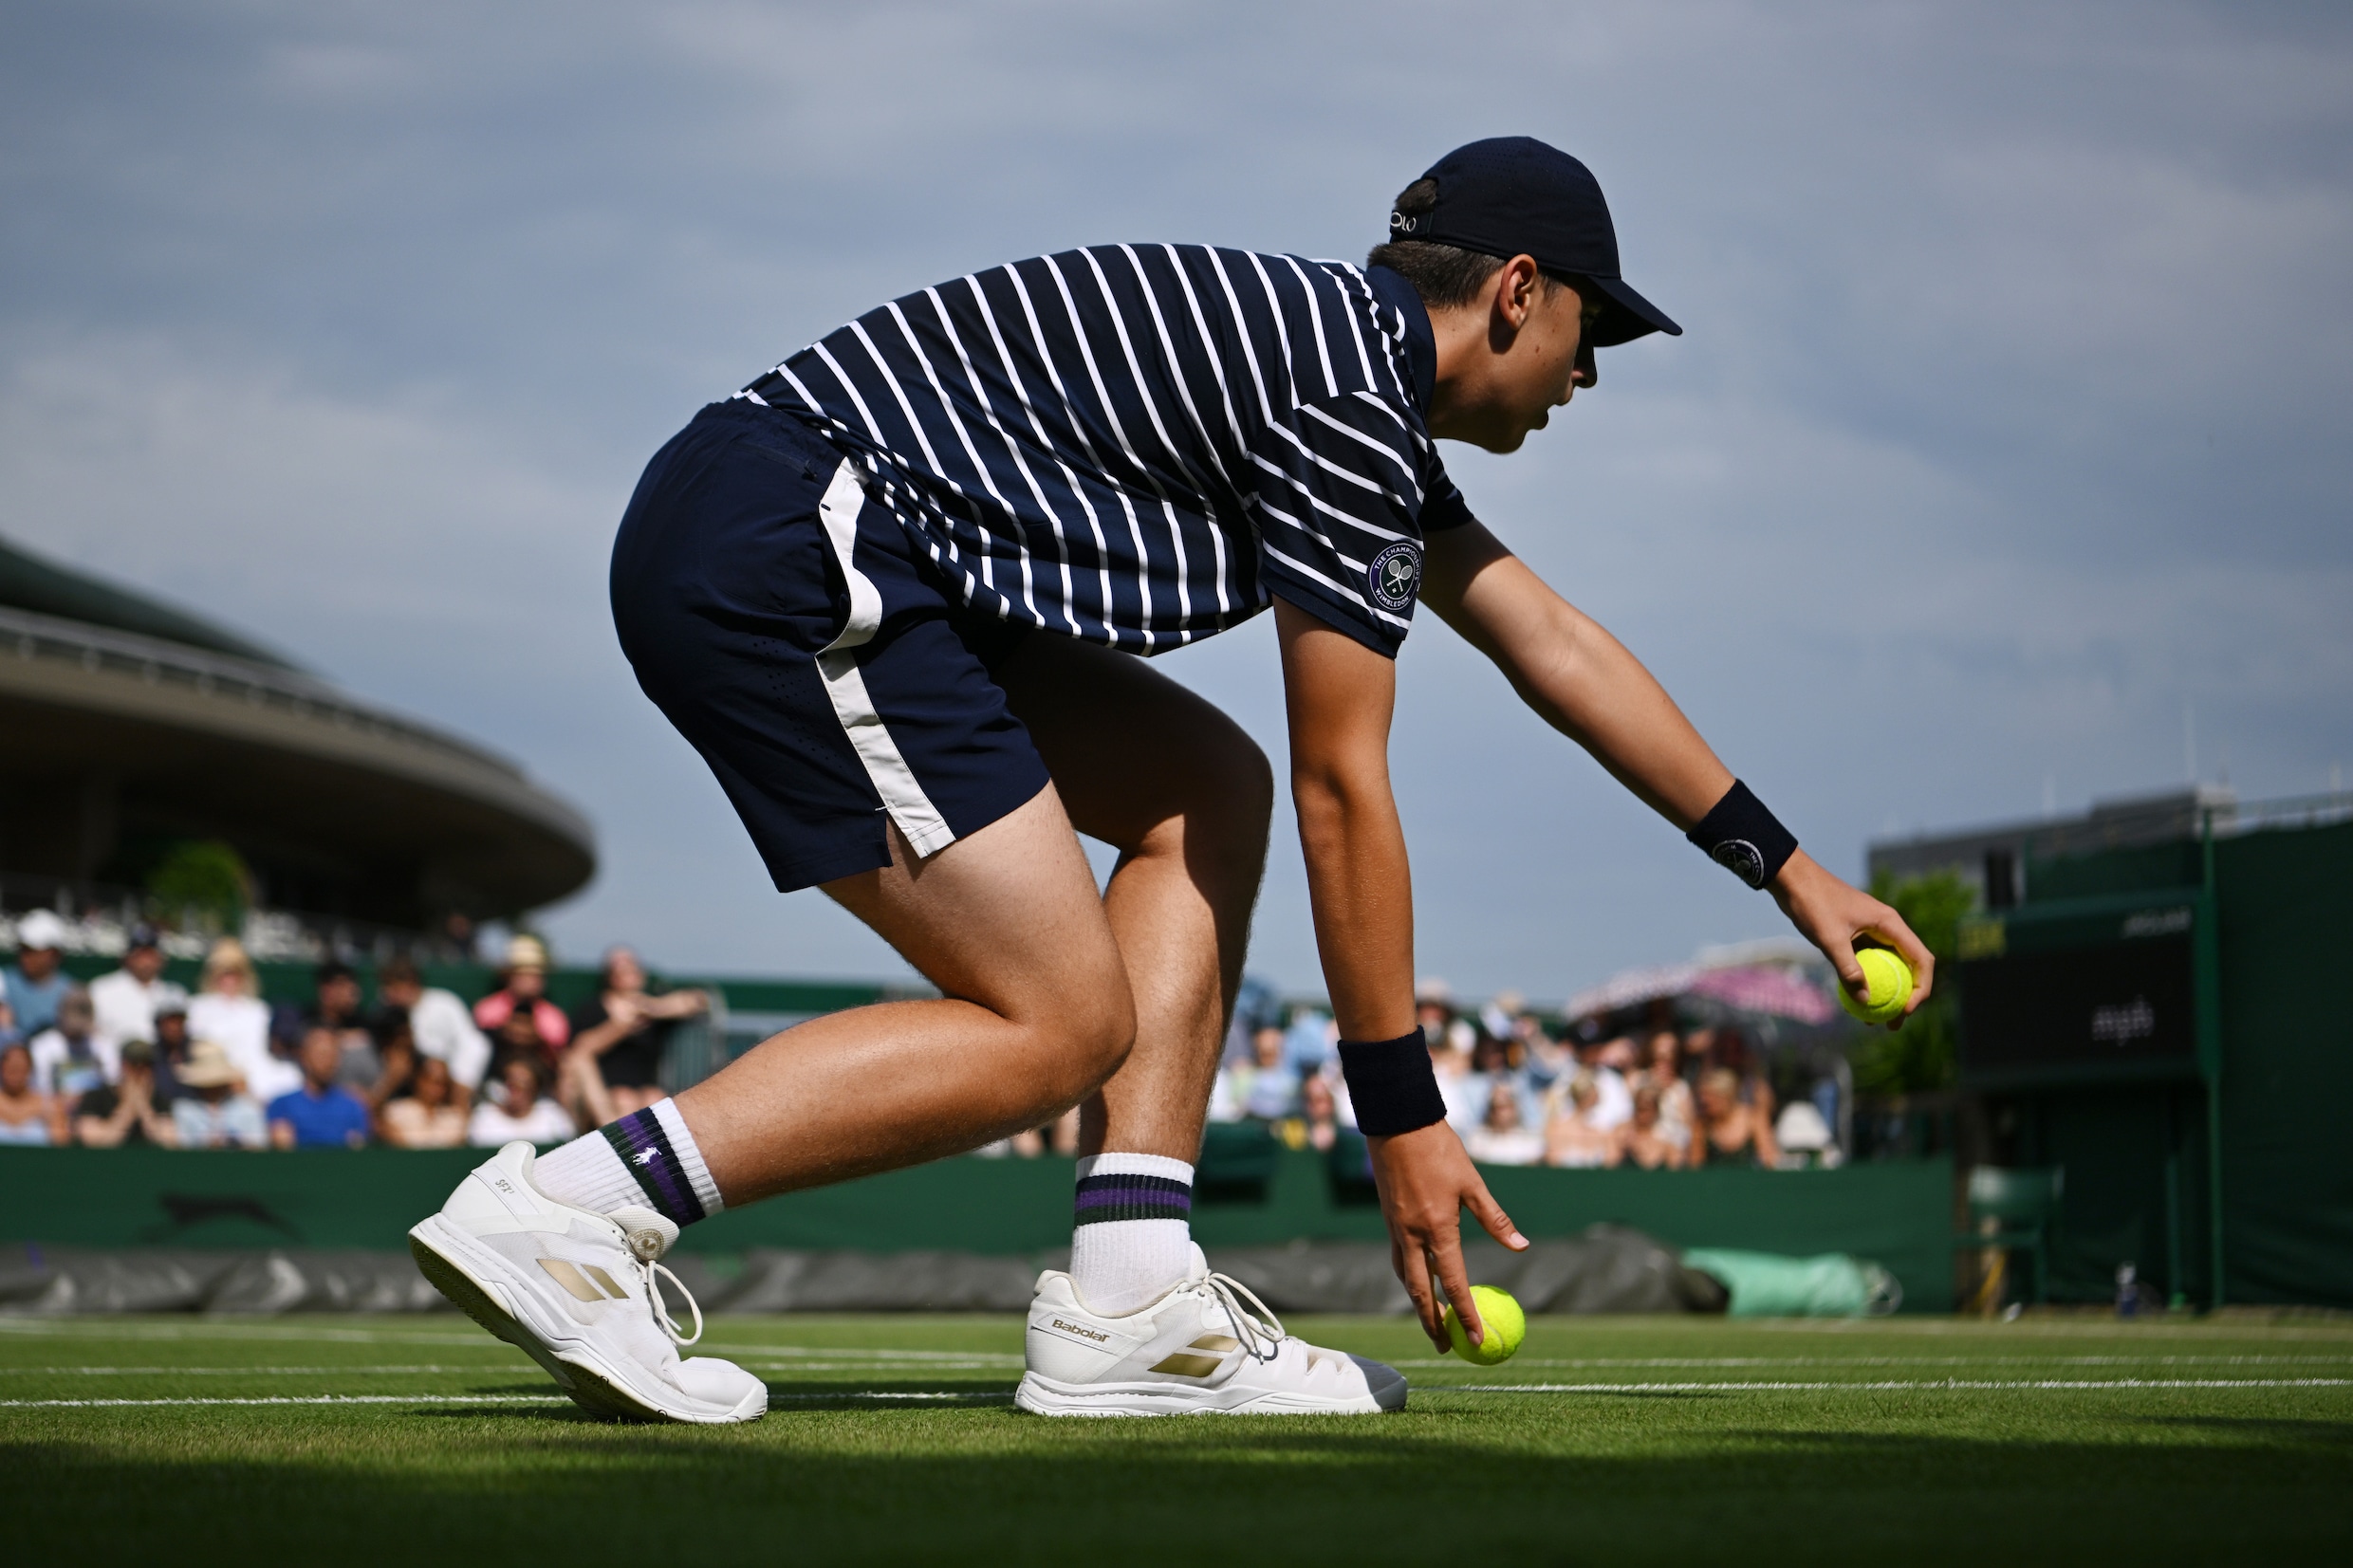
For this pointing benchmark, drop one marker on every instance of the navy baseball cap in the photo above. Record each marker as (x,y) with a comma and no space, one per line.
(1512,195)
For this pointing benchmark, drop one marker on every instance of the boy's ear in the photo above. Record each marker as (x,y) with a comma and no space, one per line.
(1512,292)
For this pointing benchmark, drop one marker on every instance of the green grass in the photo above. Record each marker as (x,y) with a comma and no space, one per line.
(1693,1442)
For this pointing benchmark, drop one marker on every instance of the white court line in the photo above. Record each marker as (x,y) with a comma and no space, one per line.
(947,1396)
(851,1353)
(2030,1328)
(293,1400)
(231,1372)
(944,1396)
(874,1366)
(439,1370)
(1728,1362)
(99,1328)
(1932,1385)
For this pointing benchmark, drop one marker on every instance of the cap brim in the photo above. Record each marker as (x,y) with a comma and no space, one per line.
(1626,316)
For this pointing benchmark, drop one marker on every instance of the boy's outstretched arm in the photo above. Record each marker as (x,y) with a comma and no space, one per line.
(1339,695)
(1585,683)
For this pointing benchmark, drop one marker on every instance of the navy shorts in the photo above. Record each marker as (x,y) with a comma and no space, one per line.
(825,668)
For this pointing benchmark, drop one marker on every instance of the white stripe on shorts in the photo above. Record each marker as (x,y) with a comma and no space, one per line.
(927,831)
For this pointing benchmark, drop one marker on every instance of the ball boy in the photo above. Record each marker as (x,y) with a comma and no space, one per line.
(893,592)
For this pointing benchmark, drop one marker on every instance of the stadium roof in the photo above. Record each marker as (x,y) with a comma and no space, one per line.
(131,725)
(28,583)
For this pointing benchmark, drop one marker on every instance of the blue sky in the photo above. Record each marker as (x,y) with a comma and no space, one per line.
(2011,420)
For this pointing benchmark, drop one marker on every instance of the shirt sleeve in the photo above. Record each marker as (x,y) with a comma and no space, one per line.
(1442,507)
(1340,502)
(442,1027)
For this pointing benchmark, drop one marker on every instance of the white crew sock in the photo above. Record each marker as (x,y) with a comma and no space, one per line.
(647,1158)
(1132,1237)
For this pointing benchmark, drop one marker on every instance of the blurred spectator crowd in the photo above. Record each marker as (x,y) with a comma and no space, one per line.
(1604,1091)
(134,1058)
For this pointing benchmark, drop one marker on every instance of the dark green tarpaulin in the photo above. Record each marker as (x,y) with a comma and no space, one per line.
(1898,1214)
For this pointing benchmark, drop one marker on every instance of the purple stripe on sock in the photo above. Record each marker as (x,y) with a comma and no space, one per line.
(1159,1197)
(1133,1197)
(638,1140)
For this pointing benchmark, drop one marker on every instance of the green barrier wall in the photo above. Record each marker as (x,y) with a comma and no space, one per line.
(1896,1213)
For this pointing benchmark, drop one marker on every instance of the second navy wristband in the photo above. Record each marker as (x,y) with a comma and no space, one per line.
(1745,838)
(1390,1084)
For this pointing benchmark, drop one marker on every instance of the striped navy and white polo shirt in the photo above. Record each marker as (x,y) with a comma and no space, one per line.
(1141,445)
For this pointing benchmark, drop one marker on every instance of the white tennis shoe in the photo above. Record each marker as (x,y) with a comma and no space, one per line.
(1209,1347)
(574,1290)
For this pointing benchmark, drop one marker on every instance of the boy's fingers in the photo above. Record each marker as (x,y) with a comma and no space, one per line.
(1915,952)
(1446,1258)
(1415,1276)
(1490,1215)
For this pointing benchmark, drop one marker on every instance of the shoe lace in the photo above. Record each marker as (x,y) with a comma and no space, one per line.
(650,1237)
(679,1336)
(1260,1331)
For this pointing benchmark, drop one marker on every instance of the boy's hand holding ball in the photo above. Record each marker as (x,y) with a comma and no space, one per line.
(1500,1316)
(1890,979)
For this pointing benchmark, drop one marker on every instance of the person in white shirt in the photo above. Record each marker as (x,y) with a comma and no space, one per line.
(1463,1091)
(69,1058)
(528,1113)
(229,1012)
(126,1000)
(1502,1137)
(1613,1097)
(442,1025)
(1573,1135)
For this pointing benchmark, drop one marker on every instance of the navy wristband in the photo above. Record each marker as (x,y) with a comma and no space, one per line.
(1390,1084)
(1745,838)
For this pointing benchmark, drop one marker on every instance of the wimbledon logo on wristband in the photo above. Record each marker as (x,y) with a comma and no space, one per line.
(1742,859)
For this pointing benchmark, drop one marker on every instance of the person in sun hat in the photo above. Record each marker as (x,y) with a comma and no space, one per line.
(891,592)
(521,1000)
(214,1111)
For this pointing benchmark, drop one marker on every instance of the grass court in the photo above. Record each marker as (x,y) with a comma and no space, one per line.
(892,1439)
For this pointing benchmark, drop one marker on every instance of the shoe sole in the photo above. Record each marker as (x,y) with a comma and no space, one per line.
(578,1369)
(1045,1396)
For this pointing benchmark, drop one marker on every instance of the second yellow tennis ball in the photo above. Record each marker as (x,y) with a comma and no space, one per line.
(1891,986)
(1500,1316)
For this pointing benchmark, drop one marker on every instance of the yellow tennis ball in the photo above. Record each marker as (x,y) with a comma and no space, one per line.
(1500,1316)
(1891,986)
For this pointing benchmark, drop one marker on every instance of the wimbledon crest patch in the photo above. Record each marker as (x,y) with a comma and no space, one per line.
(1395,573)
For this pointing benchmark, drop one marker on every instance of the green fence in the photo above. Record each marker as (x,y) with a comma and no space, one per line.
(1900,1214)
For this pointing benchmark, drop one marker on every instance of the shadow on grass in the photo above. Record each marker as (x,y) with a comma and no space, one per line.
(2338,1434)
(944,1485)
